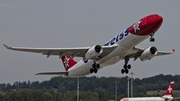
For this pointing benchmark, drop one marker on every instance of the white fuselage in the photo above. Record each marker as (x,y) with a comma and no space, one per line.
(144,99)
(124,46)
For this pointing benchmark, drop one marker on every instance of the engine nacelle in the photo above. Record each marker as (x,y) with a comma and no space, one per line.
(94,51)
(148,53)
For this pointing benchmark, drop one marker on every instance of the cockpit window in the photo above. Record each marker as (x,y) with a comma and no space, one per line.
(153,16)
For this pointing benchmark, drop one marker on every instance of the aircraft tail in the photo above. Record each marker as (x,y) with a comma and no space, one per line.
(68,62)
(169,91)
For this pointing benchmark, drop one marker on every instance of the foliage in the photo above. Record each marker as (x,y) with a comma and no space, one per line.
(91,88)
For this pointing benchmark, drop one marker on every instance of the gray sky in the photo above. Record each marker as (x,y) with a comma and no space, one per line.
(74,23)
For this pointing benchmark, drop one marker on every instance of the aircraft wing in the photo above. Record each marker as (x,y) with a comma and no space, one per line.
(136,52)
(75,52)
(165,53)
(53,73)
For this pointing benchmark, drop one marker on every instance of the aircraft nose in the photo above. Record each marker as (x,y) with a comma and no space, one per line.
(156,23)
(147,25)
(158,20)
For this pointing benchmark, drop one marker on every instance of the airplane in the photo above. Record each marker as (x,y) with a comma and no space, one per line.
(120,47)
(166,97)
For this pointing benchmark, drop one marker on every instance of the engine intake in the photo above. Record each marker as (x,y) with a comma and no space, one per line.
(148,53)
(94,51)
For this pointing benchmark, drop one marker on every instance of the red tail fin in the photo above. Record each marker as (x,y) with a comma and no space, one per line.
(170,89)
(68,62)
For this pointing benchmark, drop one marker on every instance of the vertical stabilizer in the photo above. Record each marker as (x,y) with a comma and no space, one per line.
(68,62)
(169,91)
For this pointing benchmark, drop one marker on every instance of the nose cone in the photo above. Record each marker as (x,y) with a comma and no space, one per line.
(159,19)
(147,25)
(154,23)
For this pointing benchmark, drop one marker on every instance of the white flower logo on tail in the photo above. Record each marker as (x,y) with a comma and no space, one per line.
(66,61)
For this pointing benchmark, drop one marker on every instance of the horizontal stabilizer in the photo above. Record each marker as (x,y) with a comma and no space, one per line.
(7,46)
(52,73)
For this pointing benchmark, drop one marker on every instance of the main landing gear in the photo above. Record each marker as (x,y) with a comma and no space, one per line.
(152,39)
(95,67)
(126,66)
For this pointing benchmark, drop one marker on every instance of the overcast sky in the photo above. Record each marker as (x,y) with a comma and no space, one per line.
(74,23)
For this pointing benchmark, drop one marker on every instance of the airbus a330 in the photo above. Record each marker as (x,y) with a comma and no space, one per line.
(120,47)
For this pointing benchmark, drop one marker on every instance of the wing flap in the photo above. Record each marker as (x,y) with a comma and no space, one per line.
(52,73)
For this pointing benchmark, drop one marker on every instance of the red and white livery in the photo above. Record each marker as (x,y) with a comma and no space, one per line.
(120,47)
(166,97)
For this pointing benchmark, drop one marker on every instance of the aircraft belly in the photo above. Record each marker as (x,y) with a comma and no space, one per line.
(132,40)
(115,56)
(125,45)
(81,69)
(111,61)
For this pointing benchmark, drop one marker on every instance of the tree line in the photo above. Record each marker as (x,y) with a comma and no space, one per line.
(58,88)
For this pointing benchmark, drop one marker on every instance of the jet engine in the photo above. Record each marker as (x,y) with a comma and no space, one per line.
(94,51)
(148,53)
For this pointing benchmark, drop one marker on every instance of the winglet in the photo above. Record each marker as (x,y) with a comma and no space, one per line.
(7,47)
(174,51)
